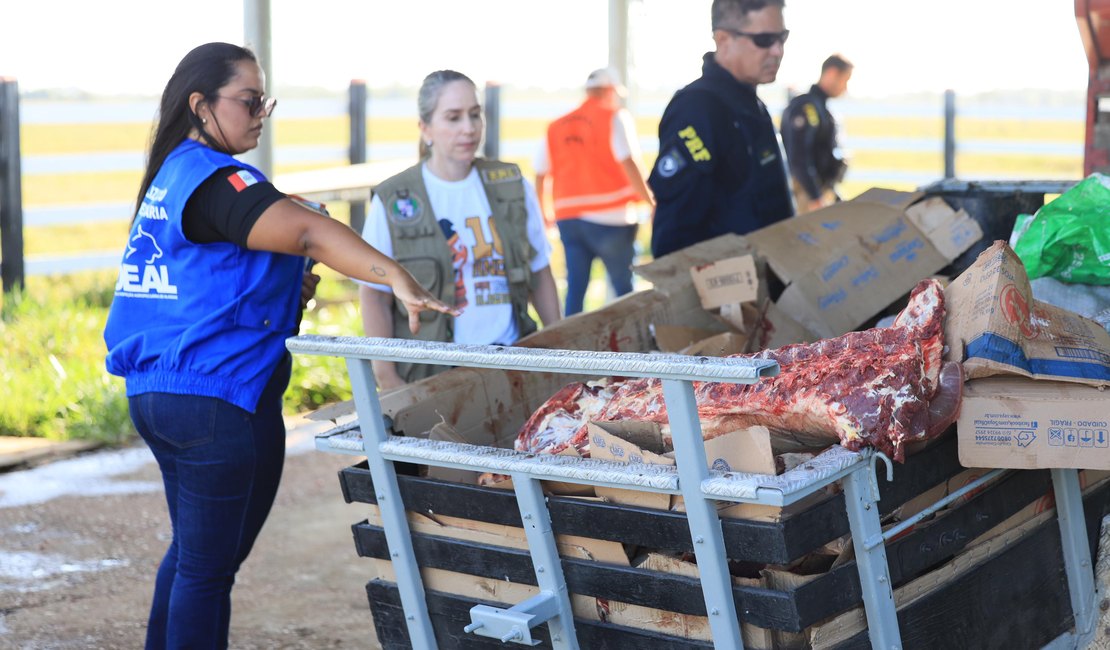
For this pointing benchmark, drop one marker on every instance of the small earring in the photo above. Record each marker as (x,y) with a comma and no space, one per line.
(428,142)
(204,120)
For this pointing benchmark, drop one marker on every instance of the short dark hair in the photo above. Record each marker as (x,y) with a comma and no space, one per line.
(725,9)
(837,61)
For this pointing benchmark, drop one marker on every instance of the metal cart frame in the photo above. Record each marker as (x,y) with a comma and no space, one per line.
(689,477)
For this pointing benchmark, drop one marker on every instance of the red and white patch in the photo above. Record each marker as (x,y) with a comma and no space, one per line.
(241,180)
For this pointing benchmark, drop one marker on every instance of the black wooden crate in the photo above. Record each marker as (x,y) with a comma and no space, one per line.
(782,542)
(1018,599)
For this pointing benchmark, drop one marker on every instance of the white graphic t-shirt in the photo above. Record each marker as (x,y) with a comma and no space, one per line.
(481,289)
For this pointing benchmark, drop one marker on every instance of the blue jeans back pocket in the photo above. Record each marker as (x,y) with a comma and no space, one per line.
(182,421)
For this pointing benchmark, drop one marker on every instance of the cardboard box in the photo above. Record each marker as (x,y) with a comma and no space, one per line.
(487,406)
(1027,424)
(994,326)
(719,345)
(630,442)
(952,235)
(777,328)
(748,450)
(846,263)
(676,338)
(733,280)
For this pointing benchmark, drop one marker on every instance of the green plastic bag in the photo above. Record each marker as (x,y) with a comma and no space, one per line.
(1069,238)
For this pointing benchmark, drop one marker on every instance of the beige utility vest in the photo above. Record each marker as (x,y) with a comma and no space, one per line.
(419,245)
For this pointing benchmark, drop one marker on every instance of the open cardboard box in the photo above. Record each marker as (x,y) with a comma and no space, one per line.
(1037,373)
(735,291)
(848,262)
(750,451)
(733,280)
(996,327)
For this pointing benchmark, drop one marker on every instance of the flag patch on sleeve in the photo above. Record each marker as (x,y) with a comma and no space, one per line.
(241,180)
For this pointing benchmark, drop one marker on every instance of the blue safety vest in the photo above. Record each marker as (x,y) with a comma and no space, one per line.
(198,319)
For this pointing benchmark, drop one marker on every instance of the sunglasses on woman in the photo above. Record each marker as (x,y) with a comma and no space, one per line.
(257,106)
(762,40)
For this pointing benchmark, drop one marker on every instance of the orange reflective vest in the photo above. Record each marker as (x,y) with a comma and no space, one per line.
(586,178)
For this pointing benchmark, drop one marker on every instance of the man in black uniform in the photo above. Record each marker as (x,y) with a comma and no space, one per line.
(719,168)
(809,135)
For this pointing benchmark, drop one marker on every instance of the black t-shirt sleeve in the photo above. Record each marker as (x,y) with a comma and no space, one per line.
(226,206)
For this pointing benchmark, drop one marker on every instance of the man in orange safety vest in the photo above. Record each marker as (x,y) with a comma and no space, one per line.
(592,157)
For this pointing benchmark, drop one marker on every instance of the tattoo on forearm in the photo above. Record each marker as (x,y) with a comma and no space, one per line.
(377,271)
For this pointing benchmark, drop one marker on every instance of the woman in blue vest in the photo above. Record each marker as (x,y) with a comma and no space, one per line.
(211,283)
(468,228)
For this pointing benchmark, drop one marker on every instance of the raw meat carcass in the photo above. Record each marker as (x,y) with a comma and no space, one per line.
(883,387)
(565,411)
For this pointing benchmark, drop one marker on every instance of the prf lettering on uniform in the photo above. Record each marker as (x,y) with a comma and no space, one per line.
(694,144)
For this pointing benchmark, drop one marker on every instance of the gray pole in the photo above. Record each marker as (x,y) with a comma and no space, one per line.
(493,120)
(357,111)
(11,194)
(256,36)
(618,37)
(950,134)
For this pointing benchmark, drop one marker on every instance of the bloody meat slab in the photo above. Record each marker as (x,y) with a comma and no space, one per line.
(883,387)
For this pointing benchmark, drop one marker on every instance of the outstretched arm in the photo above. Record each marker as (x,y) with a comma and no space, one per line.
(286,227)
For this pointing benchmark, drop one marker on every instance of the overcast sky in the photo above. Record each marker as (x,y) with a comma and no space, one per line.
(898,46)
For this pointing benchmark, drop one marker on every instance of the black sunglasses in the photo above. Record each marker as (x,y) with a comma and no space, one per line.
(761,40)
(256,106)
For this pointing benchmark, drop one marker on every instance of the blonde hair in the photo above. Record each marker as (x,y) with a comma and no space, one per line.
(428,99)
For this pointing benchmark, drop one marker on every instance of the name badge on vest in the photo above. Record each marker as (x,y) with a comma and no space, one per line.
(502,175)
(404,208)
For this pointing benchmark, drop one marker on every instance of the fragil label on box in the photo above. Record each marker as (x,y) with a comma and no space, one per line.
(1024,423)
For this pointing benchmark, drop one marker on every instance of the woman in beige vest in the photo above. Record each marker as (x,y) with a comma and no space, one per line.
(470,230)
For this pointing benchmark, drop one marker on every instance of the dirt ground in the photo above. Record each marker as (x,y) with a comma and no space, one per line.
(302,586)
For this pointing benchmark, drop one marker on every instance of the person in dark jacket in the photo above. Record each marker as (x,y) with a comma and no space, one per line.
(212,282)
(719,168)
(809,136)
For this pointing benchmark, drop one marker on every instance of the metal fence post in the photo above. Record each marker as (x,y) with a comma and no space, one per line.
(493,120)
(257,36)
(11,192)
(950,134)
(357,111)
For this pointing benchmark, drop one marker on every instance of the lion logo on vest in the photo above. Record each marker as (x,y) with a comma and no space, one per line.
(404,208)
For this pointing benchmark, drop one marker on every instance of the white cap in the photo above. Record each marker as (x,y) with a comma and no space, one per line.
(605,78)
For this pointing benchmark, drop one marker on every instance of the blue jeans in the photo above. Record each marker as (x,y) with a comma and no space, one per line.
(582,242)
(220,466)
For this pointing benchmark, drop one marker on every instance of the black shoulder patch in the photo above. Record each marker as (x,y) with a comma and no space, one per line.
(670,163)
